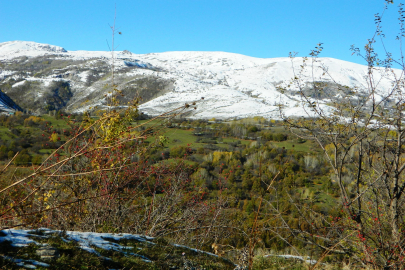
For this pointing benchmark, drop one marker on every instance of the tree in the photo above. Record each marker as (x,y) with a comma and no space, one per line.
(363,139)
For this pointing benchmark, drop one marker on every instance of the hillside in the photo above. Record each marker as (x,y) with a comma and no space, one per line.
(44,77)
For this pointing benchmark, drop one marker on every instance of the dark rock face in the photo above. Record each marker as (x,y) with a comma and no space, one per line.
(7,104)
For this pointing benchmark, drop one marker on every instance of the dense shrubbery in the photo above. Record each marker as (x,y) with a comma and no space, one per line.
(29,134)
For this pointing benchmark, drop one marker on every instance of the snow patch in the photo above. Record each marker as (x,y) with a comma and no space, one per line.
(301,258)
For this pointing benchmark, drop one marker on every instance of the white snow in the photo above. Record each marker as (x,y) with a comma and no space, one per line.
(233,85)
(18,84)
(100,240)
(5,73)
(304,259)
(11,49)
(83,76)
(18,238)
(30,264)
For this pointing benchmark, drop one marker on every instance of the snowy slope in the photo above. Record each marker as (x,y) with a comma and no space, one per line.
(232,85)
(13,49)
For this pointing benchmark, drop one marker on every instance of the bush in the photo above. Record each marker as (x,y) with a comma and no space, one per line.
(23,159)
(10,154)
(179,151)
(279,137)
(253,129)
(3,152)
(37,159)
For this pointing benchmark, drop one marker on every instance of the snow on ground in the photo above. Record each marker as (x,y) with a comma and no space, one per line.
(196,250)
(87,241)
(304,259)
(18,84)
(83,76)
(30,264)
(5,73)
(240,86)
(18,238)
(18,46)
(101,240)
(45,81)
(12,49)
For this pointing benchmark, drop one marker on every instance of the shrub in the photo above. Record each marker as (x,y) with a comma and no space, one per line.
(23,159)
(253,129)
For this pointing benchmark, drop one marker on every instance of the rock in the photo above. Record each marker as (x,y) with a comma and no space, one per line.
(48,253)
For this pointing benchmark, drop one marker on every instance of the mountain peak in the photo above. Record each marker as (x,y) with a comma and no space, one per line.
(26,46)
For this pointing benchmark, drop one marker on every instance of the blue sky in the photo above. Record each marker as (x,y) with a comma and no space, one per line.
(259,28)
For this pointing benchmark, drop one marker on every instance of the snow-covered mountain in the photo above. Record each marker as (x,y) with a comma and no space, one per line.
(45,77)
(14,47)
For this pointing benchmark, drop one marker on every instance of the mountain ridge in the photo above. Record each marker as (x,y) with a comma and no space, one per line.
(233,85)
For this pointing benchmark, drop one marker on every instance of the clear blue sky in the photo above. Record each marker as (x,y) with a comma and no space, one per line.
(259,28)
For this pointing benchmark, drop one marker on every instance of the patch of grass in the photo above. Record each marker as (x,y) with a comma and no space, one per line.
(324,198)
(302,147)
(56,123)
(178,137)
(14,172)
(177,160)
(46,151)
(167,256)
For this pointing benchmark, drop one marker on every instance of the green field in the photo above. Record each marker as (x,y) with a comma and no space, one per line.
(291,145)
(56,123)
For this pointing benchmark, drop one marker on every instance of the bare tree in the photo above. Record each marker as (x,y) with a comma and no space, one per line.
(362,136)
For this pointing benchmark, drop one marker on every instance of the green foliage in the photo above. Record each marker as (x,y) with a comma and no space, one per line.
(233,170)
(253,129)
(273,262)
(179,151)
(23,158)
(10,154)
(37,159)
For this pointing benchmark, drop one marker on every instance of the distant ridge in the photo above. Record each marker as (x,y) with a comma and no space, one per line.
(233,85)
(21,46)
(7,104)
